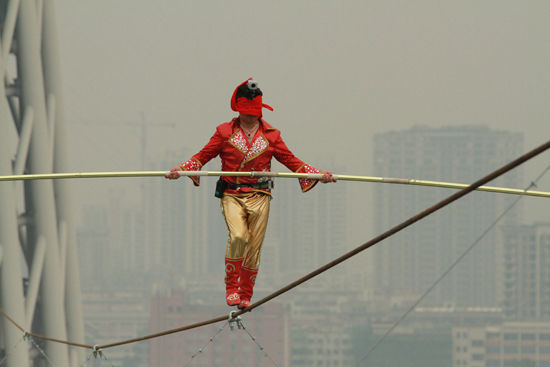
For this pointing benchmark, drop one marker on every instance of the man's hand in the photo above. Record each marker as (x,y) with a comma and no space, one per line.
(173,174)
(327,177)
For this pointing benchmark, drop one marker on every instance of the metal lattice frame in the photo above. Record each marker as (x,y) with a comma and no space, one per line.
(35,218)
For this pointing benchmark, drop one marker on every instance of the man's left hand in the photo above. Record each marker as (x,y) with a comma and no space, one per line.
(327,177)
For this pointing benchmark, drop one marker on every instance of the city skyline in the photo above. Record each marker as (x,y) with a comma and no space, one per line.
(351,70)
(290,202)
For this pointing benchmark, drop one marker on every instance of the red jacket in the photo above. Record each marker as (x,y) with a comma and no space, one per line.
(237,154)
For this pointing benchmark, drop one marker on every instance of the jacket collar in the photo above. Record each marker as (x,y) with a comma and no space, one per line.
(264,124)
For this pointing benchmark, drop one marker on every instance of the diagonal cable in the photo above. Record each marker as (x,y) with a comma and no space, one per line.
(499,172)
(104,357)
(7,354)
(211,340)
(87,359)
(35,344)
(260,347)
(453,265)
(515,163)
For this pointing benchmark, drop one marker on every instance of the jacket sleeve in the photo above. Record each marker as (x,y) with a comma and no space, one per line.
(210,150)
(286,157)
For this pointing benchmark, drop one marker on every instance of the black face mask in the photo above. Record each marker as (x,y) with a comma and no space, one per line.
(249,91)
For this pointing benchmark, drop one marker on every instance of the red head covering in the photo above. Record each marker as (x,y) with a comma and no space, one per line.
(247,99)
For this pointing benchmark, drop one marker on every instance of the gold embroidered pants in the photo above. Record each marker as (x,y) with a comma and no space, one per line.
(246,218)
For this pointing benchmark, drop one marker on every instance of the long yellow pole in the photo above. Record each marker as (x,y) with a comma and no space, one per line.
(402,181)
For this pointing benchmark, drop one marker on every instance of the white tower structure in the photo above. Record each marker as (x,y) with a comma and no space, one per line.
(37,234)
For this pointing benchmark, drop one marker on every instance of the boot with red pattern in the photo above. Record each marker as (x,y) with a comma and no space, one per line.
(232,271)
(246,285)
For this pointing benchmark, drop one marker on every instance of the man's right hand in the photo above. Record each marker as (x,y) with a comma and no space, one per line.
(173,174)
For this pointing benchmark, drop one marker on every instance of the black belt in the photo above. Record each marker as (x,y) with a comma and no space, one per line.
(265,185)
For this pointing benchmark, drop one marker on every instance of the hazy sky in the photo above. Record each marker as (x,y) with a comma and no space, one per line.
(335,71)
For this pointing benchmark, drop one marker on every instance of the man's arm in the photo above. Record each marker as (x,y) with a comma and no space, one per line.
(195,163)
(286,157)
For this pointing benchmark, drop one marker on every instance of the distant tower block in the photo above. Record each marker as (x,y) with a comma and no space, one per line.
(36,225)
(412,260)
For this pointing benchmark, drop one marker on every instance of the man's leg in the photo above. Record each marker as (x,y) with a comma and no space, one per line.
(257,208)
(236,220)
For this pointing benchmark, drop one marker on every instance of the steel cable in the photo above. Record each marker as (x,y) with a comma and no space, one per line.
(201,350)
(260,347)
(366,245)
(41,351)
(451,267)
(8,352)
(522,159)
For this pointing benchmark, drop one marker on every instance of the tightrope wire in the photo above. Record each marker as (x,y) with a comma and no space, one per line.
(451,267)
(517,162)
(42,337)
(406,223)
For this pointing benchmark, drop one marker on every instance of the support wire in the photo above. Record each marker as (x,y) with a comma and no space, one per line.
(12,349)
(210,341)
(517,162)
(260,347)
(453,265)
(41,351)
(406,223)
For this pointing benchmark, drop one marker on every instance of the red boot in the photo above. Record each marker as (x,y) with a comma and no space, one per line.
(232,271)
(246,284)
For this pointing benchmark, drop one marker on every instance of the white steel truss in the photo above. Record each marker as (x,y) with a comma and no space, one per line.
(36,221)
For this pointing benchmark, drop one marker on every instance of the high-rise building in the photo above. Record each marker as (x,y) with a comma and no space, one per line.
(415,257)
(526,272)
